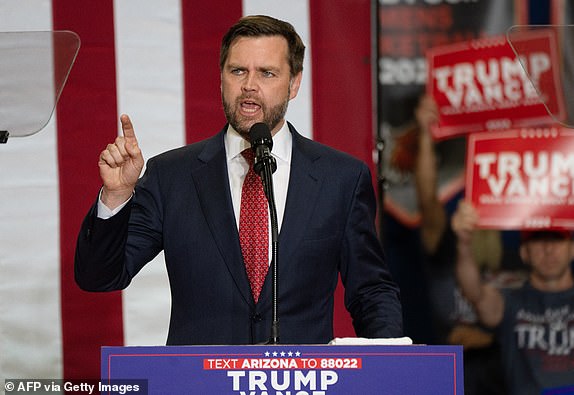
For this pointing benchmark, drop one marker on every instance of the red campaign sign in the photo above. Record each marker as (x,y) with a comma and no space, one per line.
(522,178)
(481,85)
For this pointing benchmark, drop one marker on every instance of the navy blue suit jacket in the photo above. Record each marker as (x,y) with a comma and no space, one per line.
(182,205)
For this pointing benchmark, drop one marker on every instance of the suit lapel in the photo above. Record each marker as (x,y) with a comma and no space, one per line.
(305,182)
(304,185)
(214,194)
(211,179)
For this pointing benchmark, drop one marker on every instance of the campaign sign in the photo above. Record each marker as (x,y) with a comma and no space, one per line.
(289,369)
(481,85)
(522,178)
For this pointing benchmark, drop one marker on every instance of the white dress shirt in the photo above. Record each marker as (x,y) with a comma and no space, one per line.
(237,168)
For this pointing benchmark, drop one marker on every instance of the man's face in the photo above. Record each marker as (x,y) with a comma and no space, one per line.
(256,83)
(549,257)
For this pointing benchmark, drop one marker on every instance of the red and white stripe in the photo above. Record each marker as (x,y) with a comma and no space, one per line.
(158,62)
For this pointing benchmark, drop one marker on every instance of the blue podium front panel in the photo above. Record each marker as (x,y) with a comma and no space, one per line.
(288,369)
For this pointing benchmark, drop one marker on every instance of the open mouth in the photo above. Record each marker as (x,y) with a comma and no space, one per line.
(249,107)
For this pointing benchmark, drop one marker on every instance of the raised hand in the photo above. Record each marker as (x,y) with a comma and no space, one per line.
(464,221)
(426,113)
(120,166)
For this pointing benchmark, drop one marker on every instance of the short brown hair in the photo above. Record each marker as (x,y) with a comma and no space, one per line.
(262,25)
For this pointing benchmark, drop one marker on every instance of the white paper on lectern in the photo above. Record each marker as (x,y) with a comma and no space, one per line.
(358,341)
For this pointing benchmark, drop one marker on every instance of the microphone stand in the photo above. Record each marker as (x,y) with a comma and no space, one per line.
(265,168)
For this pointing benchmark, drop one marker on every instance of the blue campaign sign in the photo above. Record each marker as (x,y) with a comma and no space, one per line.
(288,369)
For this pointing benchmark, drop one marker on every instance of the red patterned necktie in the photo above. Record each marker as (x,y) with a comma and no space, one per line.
(253,228)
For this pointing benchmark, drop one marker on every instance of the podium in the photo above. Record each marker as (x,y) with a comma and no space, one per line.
(286,369)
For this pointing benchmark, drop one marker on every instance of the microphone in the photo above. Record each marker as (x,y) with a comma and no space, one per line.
(261,144)
(265,165)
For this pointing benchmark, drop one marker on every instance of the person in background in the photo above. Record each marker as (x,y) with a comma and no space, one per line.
(190,203)
(454,318)
(533,324)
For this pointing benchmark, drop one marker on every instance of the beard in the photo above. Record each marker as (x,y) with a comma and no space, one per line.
(272,116)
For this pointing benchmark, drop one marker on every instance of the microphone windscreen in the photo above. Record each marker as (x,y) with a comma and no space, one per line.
(260,134)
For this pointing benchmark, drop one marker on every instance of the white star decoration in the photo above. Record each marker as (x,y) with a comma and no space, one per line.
(283,354)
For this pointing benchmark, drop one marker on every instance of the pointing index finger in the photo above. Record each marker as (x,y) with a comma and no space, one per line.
(127,127)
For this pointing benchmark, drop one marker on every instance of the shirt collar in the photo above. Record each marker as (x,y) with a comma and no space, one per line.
(282,143)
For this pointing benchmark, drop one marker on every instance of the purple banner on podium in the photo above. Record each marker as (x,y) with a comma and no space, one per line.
(289,369)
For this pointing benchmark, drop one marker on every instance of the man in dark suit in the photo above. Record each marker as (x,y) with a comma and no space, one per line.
(188,204)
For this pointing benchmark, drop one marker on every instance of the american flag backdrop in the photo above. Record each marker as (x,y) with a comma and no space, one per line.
(158,62)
